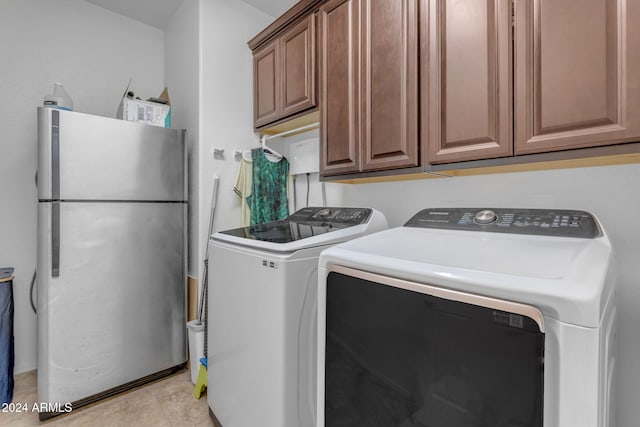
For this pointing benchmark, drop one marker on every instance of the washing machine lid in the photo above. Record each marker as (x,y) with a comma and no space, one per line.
(308,227)
(567,278)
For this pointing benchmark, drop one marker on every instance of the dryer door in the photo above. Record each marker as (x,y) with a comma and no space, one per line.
(406,354)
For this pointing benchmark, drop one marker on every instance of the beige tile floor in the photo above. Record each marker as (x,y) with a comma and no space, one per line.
(165,403)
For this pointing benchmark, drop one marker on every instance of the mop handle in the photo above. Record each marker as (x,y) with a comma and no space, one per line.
(214,196)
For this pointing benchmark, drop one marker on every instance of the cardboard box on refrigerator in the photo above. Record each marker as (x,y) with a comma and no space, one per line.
(150,112)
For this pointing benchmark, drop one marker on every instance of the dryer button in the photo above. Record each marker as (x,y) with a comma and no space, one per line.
(485,217)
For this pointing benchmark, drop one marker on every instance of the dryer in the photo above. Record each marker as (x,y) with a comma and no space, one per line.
(484,317)
(262,315)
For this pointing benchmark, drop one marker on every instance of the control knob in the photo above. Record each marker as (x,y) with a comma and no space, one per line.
(485,217)
(324,213)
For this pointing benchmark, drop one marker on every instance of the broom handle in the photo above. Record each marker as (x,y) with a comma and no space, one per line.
(214,196)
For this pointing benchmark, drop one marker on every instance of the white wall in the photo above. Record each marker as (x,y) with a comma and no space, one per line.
(612,193)
(226,107)
(182,77)
(93,52)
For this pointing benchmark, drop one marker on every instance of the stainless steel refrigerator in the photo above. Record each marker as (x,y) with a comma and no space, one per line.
(112,227)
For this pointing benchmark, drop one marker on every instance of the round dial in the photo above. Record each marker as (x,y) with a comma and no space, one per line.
(485,217)
(324,213)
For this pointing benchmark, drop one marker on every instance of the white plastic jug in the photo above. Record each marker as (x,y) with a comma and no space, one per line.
(58,98)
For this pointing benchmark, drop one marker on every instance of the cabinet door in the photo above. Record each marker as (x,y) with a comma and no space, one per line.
(298,67)
(389,72)
(467,90)
(266,86)
(339,97)
(577,73)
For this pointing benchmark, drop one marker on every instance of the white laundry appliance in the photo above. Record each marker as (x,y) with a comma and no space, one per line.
(262,315)
(470,317)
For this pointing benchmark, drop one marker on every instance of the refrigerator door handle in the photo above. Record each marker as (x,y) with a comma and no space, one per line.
(55,194)
(55,155)
(55,239)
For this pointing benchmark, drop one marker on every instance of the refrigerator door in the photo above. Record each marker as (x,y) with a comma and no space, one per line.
(114,311)
(85,157)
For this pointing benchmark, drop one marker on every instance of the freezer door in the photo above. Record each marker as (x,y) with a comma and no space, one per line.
(85,157)
(115,310)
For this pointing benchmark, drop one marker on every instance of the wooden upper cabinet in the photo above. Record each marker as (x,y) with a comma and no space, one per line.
(368,54)
(298,67)
(339,81)
(467,90)
(266,88)
(389,70)
(284,74)
(577,73)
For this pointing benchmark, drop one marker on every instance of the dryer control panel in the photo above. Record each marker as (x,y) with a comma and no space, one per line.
(543,222)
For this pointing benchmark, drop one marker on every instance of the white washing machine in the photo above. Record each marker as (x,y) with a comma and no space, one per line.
(470,317)
(263,311)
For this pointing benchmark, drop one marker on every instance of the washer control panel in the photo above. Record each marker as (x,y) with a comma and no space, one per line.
(543,222)
(350,216)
